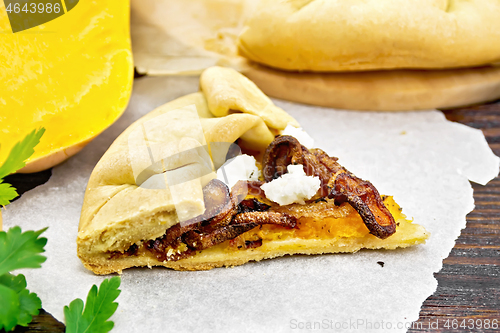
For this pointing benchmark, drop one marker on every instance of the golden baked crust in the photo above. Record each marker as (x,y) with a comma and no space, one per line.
(392,90)
(324,35)
(120,214)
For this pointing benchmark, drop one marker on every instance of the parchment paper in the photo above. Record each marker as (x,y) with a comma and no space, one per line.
(179,37)
(422,159)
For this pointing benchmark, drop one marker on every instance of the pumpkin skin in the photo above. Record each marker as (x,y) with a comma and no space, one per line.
(72,75)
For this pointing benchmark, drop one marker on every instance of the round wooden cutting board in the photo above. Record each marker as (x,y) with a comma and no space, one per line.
(395,90)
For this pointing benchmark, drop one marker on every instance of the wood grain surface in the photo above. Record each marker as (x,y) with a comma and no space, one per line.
(468,292)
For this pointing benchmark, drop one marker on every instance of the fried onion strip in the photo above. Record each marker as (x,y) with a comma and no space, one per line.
(198,240)
(336,182)
(364,197)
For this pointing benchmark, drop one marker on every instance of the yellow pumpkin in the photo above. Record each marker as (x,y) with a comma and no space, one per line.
(72,75)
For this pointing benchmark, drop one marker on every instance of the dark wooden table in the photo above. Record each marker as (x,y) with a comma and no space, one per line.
(469,283)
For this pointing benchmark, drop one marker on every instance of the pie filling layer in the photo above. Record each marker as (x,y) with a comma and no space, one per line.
(321,219)
(244,218)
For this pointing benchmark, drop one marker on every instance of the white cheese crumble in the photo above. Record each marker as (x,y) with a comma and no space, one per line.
(294,186)
(299,134)
(241,167)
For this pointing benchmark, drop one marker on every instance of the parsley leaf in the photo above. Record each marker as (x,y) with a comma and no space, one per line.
(73,315)
(9,308)
(18,250)
(21,250)
(7,193)
(15,161)
(21,152)
(99,308)
(27,304)
(14,282)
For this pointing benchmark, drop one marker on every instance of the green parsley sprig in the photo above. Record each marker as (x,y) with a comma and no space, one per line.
(18,250)
(15,161)
(18,305)
(22,250)
(99,307)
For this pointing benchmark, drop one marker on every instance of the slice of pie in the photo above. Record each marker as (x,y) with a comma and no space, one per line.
(173,191)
